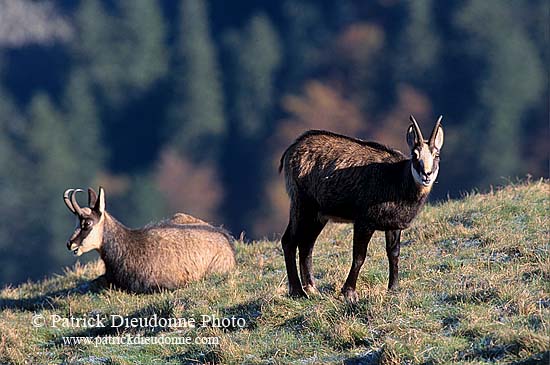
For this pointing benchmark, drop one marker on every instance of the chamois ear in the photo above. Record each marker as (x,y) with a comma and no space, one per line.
(411,137)
(100,201)
(438,141)
(92,197)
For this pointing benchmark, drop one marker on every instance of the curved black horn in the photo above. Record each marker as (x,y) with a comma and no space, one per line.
(66,199)
(417,129)
(74,203)
(434,132)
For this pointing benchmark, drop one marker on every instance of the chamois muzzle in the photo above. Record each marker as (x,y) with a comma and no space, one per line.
(71,245)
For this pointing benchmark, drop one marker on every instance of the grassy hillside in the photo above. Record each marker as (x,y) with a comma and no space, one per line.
(475,288)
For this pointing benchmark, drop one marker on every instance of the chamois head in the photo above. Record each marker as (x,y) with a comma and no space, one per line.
(425,153)
(88,234)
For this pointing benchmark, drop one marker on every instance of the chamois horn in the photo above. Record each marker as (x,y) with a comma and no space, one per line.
(74,203)
(417,129)
(66,198)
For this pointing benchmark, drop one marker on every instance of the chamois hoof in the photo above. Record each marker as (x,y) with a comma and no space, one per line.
(297,293)
(350,296)
(393,289)
(311,290)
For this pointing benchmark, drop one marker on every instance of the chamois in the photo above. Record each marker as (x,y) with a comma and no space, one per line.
(333,177)
(165,255)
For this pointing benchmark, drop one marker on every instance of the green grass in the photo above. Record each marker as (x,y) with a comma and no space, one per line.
(475,288)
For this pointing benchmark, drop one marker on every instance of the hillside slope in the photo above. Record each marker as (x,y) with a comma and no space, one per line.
(475,288)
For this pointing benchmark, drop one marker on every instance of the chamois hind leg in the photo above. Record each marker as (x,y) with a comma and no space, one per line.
(393,245)
(290,245)
(308,230)
(361,238)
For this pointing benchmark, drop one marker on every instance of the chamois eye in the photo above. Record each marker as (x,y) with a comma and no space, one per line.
(87,223)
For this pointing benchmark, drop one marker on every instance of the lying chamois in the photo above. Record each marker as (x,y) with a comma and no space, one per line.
(165,255)
(334,177)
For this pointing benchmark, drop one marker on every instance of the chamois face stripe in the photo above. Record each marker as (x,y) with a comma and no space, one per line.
(425,165)
(94,237)
(88,233)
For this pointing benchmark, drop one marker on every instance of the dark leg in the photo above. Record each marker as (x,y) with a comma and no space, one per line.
(361,238)
(290,244)
(102,281)
(310,231)
(393,244)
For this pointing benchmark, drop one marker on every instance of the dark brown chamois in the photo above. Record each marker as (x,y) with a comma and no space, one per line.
(164,255)
(333,177)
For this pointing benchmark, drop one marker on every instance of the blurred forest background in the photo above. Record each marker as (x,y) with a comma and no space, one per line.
(187,105)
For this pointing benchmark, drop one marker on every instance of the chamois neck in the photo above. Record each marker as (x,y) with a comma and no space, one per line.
(114,233)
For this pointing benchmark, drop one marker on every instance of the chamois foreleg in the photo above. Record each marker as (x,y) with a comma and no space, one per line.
(361,238)
(393,245)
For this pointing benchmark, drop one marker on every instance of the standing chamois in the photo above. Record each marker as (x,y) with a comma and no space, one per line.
(333,177)
(165,255)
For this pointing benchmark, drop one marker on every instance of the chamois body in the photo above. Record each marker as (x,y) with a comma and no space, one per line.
(164,255)
(348,178)
(334,177)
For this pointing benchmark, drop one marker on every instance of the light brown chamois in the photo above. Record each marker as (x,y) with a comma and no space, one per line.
(165,255)
(334,177)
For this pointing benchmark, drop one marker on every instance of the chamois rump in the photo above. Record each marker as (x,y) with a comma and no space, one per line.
(333,177)
(165,255)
